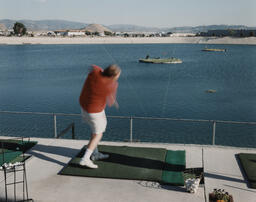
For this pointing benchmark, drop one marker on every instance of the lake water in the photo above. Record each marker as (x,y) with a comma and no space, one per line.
(49,78)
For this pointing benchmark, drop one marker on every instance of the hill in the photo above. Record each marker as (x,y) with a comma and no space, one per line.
(134,28)
(184,29)
(189,29)
(96,28)
(44,25)
(2,27)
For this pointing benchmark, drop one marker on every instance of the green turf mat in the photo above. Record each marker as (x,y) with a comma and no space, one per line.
(123,163)
(173,177)
(175,163)
(137,163)
(10,150)
(249,165)
(176,158)
(7,156)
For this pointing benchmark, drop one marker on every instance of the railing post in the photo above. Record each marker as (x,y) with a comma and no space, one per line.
(73,131)
(131,128)
(213,132)
(55,125)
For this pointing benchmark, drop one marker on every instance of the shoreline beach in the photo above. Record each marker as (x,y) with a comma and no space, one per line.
(128,40)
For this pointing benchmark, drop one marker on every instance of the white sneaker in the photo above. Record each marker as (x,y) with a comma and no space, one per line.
(88,163)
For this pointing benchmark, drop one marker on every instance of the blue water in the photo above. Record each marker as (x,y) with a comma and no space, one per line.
(49,78)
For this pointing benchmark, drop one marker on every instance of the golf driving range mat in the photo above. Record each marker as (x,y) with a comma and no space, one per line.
(135,163)
(248,162)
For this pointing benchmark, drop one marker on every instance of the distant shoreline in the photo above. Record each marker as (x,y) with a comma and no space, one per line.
(128,40)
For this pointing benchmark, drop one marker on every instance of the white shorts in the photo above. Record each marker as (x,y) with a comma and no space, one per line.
(96,121)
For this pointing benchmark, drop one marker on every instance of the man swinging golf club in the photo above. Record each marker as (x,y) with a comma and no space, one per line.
(98,90)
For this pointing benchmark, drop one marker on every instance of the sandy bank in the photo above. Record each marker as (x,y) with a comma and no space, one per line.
(121,40)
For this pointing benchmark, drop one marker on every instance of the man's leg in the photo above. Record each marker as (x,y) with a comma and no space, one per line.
(95,139)
(85,161)
(98,122)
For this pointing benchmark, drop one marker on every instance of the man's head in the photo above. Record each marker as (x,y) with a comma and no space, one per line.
(112,71)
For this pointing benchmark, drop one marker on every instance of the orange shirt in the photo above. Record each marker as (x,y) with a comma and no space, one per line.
(97,91)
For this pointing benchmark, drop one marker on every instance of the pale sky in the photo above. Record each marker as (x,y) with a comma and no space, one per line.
(155,13)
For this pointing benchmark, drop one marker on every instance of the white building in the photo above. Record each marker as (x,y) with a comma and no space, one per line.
(101,34)
(72,33)
(51,33)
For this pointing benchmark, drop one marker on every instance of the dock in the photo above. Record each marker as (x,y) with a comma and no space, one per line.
(221,170)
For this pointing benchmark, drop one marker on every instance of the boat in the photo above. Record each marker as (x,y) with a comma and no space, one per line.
(214,49)
(211,91)
(160,60)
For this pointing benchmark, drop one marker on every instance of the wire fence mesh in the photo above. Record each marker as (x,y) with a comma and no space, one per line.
(137,129)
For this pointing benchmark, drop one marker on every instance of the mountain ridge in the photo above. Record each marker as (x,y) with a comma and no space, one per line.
(51,25)
(44,25)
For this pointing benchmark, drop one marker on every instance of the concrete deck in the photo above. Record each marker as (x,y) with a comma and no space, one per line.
(50,155)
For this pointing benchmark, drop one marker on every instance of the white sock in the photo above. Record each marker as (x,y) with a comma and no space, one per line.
(87,154)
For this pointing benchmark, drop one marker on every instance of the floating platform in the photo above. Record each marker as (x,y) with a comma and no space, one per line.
(211,91)
(214,50)
(161,60)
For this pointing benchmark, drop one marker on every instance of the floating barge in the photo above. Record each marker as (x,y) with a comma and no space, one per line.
(214,50)
(161,60)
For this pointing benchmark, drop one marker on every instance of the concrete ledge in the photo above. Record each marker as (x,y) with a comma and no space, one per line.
(50,155)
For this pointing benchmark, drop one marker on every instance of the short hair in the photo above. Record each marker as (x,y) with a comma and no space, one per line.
(111,70)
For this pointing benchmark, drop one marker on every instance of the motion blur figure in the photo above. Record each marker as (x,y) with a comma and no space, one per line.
(99,90)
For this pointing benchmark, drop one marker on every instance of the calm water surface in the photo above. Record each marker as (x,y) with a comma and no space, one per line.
(48,78)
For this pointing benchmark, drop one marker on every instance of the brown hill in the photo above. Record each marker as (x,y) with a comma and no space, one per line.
(3,27)
(96,28)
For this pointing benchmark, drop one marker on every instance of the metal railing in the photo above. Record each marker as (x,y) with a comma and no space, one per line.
(63,132)
(131,118)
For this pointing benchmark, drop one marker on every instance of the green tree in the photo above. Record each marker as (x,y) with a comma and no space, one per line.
(88,33)
(107,33)
(19,29)
(232,32)
(96,33)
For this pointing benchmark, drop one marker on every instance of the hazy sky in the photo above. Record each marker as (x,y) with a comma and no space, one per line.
(158,13)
